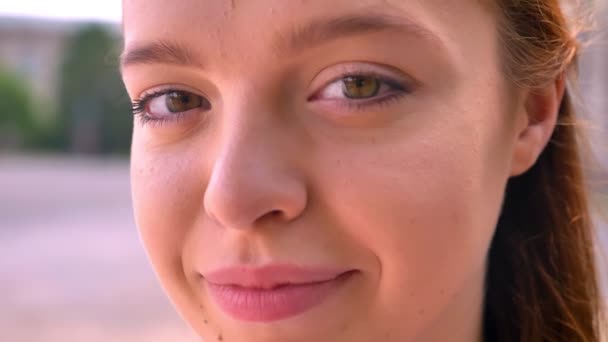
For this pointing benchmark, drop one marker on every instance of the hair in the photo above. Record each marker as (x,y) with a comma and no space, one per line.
(542,282)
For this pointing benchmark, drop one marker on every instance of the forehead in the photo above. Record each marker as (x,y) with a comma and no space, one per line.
(224,29)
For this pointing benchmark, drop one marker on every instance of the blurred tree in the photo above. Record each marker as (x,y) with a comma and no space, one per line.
(93,112)
(17,123)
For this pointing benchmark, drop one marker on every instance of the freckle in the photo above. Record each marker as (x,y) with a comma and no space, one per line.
(344,327)
(421,312)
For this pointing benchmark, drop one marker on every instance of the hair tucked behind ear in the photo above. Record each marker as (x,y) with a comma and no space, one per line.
(542,281)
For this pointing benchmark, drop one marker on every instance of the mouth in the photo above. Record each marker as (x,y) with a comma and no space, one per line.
(273,292)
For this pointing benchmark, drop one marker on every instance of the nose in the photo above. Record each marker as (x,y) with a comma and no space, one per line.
(252,181)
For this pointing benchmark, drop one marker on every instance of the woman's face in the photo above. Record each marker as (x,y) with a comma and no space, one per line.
(319,170)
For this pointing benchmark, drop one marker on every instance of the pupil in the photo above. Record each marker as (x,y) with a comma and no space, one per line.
(177,102)
(360,87)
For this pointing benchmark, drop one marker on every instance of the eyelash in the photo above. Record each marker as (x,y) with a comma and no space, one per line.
(138,106)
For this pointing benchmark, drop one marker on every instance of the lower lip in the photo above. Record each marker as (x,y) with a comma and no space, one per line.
(267,305)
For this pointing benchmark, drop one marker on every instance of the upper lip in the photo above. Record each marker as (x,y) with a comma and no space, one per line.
(271,275)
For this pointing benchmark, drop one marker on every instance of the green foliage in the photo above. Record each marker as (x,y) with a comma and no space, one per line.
(17,124)
(93,112)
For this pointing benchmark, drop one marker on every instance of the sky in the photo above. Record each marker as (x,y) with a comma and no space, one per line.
(98,10)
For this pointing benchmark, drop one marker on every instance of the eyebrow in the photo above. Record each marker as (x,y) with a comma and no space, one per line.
(158,52)
(312,34)
(329,29)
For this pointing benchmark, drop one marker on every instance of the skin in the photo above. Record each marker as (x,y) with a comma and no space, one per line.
(408,192)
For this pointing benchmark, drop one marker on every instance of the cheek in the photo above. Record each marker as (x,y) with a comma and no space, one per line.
(167,193)
(426,207)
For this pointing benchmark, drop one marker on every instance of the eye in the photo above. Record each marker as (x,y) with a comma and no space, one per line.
(168,105)
(178,102)
(361,90)
(174,102)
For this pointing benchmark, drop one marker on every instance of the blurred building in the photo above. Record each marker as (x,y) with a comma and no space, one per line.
(33,49)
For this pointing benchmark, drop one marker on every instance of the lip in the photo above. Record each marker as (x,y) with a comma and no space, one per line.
(272,292)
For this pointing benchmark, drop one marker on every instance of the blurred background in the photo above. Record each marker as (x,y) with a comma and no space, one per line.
(71,265)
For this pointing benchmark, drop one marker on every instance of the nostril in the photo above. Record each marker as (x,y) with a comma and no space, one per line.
(275,213)
(275,216)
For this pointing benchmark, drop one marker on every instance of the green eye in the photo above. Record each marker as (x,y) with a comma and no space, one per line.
(179,102)
(360,87)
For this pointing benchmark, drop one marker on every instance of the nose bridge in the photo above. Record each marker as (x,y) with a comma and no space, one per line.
(251,178)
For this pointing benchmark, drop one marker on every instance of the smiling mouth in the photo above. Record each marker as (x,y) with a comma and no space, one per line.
(246,295)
